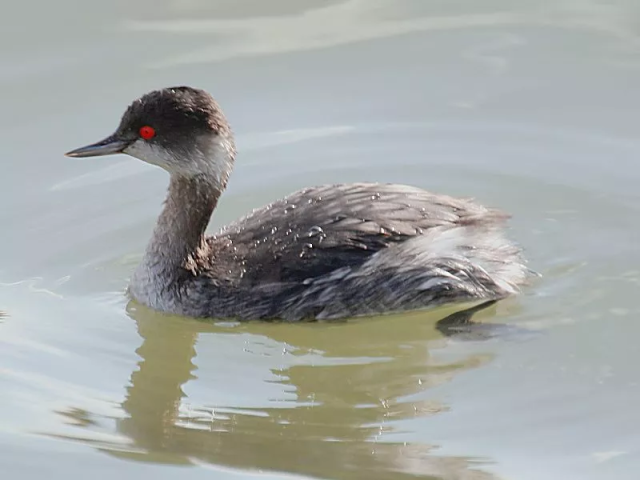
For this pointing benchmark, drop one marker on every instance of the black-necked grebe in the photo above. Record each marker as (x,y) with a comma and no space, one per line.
(324,252)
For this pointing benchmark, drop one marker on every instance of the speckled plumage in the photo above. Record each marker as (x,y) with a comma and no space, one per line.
(347,250)
(325,252)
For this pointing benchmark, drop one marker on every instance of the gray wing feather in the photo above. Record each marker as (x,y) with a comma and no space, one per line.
(342,250)
(316,230)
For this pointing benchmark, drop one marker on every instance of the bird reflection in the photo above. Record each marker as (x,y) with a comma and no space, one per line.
(366,377)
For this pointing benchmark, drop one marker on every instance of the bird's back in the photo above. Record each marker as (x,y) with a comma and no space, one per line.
(354,249)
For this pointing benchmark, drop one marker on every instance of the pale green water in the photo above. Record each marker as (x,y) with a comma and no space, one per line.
(528,107)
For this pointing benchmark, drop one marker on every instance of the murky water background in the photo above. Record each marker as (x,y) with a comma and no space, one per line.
(533,107)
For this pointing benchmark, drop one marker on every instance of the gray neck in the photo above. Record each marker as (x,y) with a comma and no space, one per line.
(178,243)
(180,230)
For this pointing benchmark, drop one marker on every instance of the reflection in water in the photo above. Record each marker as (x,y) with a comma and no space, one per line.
(317,27)
(348,397)
(325,25)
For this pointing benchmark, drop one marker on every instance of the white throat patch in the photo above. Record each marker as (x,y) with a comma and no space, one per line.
(212,158)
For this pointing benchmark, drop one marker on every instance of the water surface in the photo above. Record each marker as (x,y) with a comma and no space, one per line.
(527,107)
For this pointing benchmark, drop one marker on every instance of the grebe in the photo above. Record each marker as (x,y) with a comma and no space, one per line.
(324,252)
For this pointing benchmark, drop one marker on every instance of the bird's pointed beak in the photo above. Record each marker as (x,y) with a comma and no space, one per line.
(109,146)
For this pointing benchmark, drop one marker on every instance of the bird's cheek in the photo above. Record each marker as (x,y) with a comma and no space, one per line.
(143,150)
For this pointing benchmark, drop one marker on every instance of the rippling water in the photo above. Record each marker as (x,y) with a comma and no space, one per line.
(528,107)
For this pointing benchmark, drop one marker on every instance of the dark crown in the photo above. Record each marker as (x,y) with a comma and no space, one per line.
(175,113)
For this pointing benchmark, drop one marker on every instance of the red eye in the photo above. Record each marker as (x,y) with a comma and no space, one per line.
(147,132)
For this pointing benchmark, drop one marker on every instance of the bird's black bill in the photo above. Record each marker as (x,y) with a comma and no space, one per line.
(108,146)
